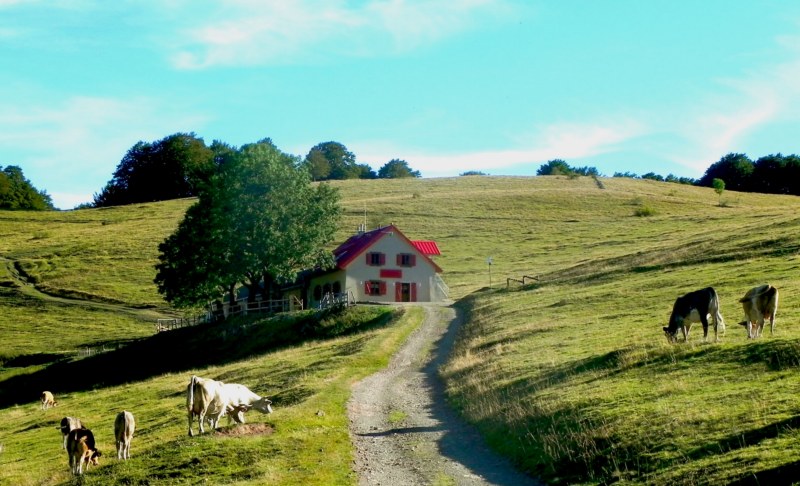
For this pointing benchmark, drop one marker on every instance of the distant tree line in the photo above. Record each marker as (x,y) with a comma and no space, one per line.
(771,174)
(181,165)
(17,192)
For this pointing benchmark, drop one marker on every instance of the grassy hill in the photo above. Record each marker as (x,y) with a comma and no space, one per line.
(570,376)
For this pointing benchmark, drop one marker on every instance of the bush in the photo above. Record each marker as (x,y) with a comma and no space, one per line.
(644,211)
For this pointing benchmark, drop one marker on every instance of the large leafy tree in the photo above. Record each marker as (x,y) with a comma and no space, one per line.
(734,169)
(332,160)
(260,220)
(17,192)
(554,167)
(395,169)
(176,166)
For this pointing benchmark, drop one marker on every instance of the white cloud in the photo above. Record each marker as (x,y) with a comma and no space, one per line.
(71,150)
(562,140)
(252,32)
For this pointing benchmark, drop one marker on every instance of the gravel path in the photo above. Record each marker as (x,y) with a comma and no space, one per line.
(404,432)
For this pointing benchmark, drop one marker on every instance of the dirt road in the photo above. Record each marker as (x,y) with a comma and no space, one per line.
(404,432)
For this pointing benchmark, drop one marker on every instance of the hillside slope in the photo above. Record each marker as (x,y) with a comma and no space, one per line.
(574,368)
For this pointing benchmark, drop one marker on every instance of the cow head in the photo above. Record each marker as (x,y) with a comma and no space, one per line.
(263,405)
(671,335)
(95,457)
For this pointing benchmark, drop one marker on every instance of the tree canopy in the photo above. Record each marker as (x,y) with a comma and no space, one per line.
(396,169)
(734,169)
(176,166)
(17,192)
(260,220)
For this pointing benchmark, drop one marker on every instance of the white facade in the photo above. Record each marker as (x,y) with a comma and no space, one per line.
(389,269)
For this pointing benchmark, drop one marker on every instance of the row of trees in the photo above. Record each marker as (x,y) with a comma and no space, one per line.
(17,192)
(771,174)
(560,167)
(181,165)
(257,221)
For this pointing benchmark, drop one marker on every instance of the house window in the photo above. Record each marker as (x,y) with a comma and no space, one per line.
(375,287)
(337,288)
(376,259)
(317,292)
(406,260)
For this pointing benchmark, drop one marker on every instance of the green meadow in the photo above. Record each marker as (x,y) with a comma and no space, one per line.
(569,375)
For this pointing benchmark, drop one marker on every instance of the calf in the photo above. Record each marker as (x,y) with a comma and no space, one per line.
(48,400)
(759,303)
(694,307)
(81,450)
(124,425)
(68,424)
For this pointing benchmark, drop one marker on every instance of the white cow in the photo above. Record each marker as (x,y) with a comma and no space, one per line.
(759,303)
(68,424)
(48,400)
(124,426)
(212,399)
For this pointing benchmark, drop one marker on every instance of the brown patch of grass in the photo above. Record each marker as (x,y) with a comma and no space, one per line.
(239,430)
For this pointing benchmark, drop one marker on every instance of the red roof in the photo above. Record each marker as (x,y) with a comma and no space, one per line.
(357,244)
(427,247)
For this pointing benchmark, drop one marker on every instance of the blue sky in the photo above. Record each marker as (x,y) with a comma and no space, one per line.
(500,86)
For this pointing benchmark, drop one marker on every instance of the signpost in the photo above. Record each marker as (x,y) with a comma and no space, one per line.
(489,262)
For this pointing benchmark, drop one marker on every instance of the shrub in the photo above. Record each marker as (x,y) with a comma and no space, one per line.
(645,210)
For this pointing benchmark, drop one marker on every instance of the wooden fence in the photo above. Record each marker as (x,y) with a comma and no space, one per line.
(241,307)
(520,281)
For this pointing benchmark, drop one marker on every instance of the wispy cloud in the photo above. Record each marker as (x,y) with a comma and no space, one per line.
(82,135)
(250,32)
(561,140)
(726,120)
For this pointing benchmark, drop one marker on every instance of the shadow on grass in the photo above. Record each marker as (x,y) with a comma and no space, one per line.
(188,348)
(786,474)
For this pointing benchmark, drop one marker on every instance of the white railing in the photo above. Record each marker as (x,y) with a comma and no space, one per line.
(344,299)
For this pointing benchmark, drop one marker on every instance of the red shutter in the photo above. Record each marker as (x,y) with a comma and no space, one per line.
(366,288)
(398,292)
(413,292)
(369,258)
(382,286)
(413,261)
(382,258)
(399,259)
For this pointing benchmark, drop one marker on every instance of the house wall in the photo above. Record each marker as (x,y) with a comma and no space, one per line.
(329,279)
(420,275)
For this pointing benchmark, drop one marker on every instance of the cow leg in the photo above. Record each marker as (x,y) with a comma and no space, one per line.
(191,422)
(704,322)
(772,324)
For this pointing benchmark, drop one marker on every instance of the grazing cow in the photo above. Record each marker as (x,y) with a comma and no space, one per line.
(694,307)
(211,399)
(48,400)
(124,425)
(68,424)
(759,303)
(81,450)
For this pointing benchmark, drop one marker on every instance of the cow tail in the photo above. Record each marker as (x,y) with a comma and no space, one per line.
(191,392)
(718,314)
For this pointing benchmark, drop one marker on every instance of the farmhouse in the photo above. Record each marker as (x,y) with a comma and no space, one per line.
(381,265)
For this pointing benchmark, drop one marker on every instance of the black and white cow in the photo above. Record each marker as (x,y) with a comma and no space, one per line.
(694,307)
